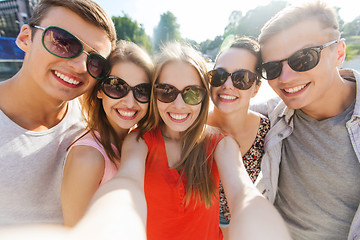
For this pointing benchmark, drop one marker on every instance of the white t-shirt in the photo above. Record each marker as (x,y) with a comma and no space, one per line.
(31,165)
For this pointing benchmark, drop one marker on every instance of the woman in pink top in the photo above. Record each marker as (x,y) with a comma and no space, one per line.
(114,105)
(178,160)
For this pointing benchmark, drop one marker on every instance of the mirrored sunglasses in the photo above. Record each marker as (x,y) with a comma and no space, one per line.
(63,44)
(192,95)
(116,88)
(301,61)
(242,79)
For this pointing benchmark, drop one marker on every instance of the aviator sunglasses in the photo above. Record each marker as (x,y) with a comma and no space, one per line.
(63,44)
(192,95)
(301,61)
(116,88)
(242,79)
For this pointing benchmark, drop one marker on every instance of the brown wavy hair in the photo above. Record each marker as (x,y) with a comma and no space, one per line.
(248,44)
(194,162)
(92,106)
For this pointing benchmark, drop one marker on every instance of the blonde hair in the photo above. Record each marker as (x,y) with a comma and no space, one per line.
(93,108)
(86,9)
(194,160)
(292,15)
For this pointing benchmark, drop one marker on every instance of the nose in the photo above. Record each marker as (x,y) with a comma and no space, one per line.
(287,73)
(228,82)
(129,100)
(78,64)
(179,101)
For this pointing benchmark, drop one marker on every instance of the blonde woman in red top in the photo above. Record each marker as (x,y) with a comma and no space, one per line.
(178,160)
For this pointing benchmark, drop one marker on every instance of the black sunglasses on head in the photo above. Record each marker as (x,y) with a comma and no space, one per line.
(63,44)
(301,61)
(242,79)
(116,88)
(192,95)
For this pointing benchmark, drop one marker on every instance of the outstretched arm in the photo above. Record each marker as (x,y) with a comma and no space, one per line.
(119,206)
(83,171)
(117,211)
(252,216)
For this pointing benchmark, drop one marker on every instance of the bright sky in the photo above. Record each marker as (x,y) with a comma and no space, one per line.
(200,19)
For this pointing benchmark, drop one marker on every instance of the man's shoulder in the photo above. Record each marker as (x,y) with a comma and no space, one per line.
(350,74)
(268,106)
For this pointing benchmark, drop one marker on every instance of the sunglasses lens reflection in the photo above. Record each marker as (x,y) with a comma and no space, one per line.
(166,93)
(301,61)
(115,88)
(142,92)
(217,77)
(191,95)
(97,66)
(304,60)
(242,79)
(63,44)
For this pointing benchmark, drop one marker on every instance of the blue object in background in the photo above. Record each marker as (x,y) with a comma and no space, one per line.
(9,50)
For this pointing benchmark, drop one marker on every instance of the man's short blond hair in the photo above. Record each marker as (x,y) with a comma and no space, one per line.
(289,16)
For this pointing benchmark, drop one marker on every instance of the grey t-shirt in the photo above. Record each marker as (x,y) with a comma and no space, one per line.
(31,165)
(319,179)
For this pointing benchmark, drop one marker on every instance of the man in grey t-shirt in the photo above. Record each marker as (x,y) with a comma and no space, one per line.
(311,168)
(65,44)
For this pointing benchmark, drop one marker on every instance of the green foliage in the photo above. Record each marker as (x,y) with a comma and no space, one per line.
(129,30)
(352,50)
(211,47)
(352,28)
(253,21)
(352,47)
(166,31)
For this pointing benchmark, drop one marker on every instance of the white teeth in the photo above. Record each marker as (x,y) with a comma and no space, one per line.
(178,116)
(126,113)
(227,97)
(66,78)
(295,89)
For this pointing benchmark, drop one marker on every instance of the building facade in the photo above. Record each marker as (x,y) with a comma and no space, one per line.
(13,14)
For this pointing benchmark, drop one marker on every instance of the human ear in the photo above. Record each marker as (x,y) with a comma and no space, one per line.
(23,40)
(256,90)
(99,94)
(341,52)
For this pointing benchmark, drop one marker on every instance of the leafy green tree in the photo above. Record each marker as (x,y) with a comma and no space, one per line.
(253,21)
(234,19)
(130,30)
(352,28)
(167,30)
(211,47)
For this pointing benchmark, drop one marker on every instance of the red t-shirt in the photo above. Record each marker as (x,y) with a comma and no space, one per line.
(167,215)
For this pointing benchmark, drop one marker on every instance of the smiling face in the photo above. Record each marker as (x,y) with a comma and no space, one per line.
(125,112)
(54,77)
(226,97)
(177,115)
(309,90)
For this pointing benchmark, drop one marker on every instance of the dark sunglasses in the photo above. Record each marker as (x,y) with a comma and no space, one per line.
(63,44)
(192,95)
(242,79)
(116,88)
(301,61)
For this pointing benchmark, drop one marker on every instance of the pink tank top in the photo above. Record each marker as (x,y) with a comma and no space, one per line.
(110,168)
